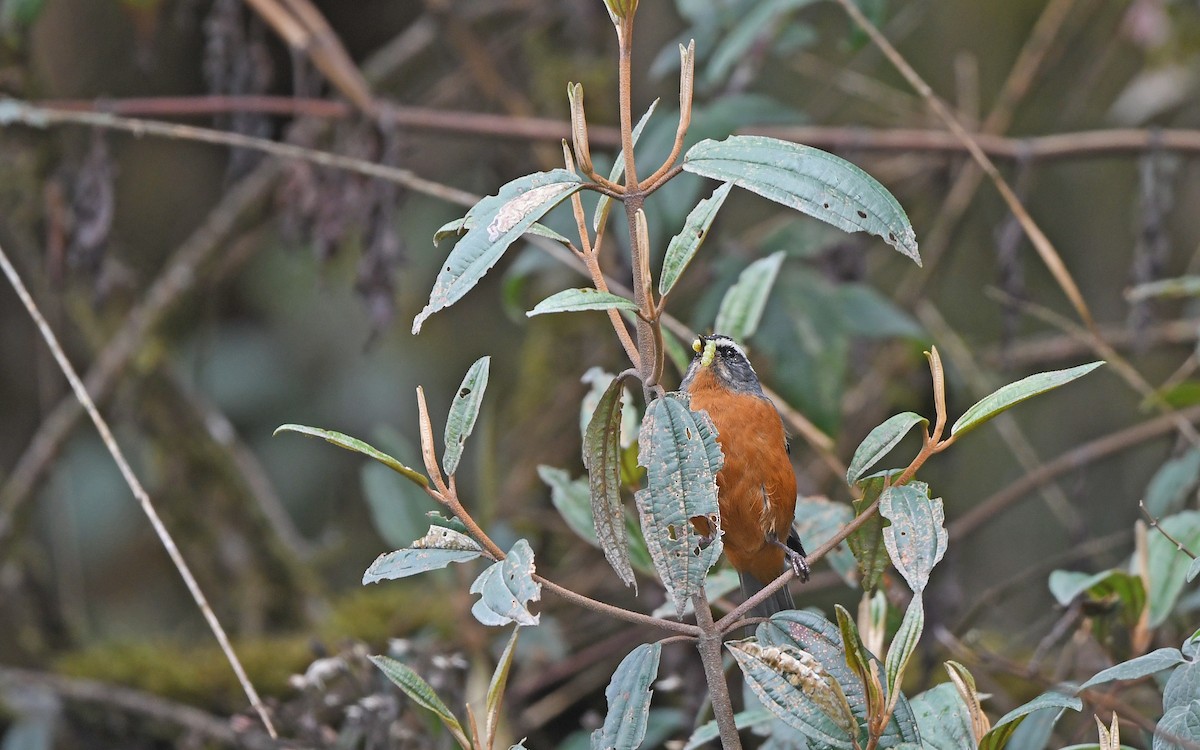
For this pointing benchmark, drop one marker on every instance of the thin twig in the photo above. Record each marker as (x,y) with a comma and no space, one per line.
(135,486)
(1154,524)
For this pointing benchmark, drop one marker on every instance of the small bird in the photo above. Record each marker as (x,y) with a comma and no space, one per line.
(756,487)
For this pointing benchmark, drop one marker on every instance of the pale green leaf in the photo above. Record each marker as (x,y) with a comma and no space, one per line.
(358,446)
(628,695)
(942,719)
(904,643)
(580,300)
(459,227)
(1178,723)
(507,587)
(867,540)
(437,549)
(684,245)
(818,519)
(1193,570)
(679,449)
(464,410)
(572,499)
(495,693)
(1182,685)
(880,441)
(421,693)
(742,307)
(496,222)
(1146,664)
(1168,565)
(1171,485)
(916,539)
(1014,393)
(1000,733)
(601,458)
(807,179)
(709,732)
(1181,286)
(398,506)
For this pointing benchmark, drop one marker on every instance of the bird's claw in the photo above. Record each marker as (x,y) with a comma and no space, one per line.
(798,563)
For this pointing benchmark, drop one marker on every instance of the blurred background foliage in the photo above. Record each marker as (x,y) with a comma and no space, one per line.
(300,313)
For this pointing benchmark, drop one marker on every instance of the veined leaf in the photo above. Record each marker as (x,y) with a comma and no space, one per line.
(1014,393)
(438,548)
(422,694)
(905,642)
(601,458)
(964,682)
(916,539)
(867,540)
(579,300)
(679,449)
(881,440)
(1146,664)
(358,446)
(628,695)
(684,245)
(1002,731)
(1168,565)
(942,718)
(1182,685)
(464,410)
(709,732)
(496,222)
(1180,722)
(807,179)
(507,587)
(459,227)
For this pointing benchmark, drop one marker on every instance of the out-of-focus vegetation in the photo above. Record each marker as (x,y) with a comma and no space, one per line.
(299,282)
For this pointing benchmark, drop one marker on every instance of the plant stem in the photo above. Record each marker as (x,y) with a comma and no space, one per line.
(709,647)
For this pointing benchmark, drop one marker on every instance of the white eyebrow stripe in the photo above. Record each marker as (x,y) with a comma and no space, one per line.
(726,342)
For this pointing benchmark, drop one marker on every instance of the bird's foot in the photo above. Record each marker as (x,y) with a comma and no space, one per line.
(796,558)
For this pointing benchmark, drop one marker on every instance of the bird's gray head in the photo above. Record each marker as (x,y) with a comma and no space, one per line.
(726,360)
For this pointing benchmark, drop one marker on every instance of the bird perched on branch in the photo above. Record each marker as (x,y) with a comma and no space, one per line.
(756,487)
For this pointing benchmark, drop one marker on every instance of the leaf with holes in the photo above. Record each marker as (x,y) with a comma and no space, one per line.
(438,548)
(792,685)
(628,695)
(581,300)
(1000,733)
(742,307)
(601,458)
(916,539)
(358,446)
(496,222)
(464,410)
(1014,393)
(421,693)
(881,440)
(679,449)
(507,587)
(684,245)
(809,180)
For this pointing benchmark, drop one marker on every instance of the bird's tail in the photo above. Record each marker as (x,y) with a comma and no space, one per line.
(776,602)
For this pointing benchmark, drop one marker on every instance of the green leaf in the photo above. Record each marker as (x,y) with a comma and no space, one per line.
(601,458)
(579,300)
(818,520)
(398,507)
(880,441)
(684,245)
(495,693)
(358,446)
(572,498)
(1147,664)
(599,381)
(1168,565)
(1193,570)
(809,180)
(942,719)
(679,449)
(1014,393)
(804,698)
(496,222)
(1179,723)
(507,587)
(709,732)
(628,695)
(459,227)
(1182,286)
(421,693)
(719,583)
(1182,685)
(618,169)
(464,410)
(1172,483)
(437,549)
(1127,588)
(867,313)
(867,540)
(1000,733)
(916,539)
(743,305)
(904,643)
